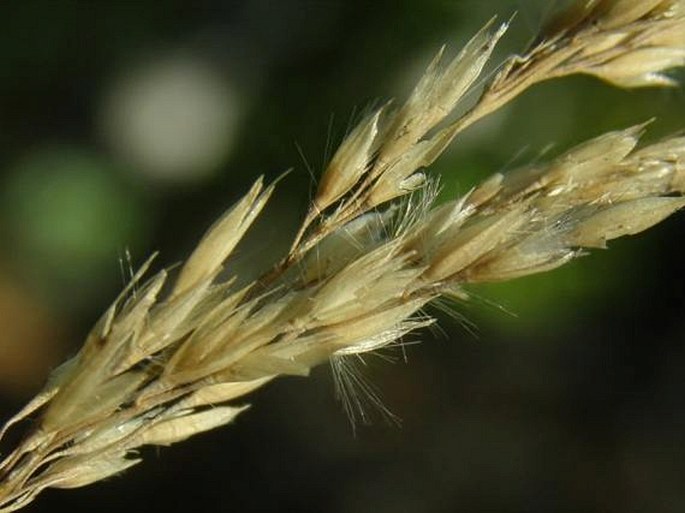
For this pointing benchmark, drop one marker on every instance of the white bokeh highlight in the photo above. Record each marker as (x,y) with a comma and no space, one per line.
(172,119)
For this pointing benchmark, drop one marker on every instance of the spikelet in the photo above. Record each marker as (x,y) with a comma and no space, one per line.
(349,164)
(221,239)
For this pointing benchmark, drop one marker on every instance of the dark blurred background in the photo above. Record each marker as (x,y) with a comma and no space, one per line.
(128,126)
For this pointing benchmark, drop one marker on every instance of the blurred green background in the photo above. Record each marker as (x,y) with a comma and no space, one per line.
(128,126)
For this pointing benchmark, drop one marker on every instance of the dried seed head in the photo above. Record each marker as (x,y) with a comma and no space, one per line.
(616,13)
(627,218)
(84,470)
(156,370)
(641,68)
(437,93)
(184,424)
(349,163)
(649,39)
(220,240)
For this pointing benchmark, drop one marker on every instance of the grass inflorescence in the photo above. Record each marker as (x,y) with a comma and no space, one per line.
(175,356)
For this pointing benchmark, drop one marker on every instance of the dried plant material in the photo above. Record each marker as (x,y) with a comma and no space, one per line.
(456,251)
(438,91)
(373,250)
(626,218)
(349,163)
(187,424)
(82,471)
(222,238)
(211,395)
(620,12)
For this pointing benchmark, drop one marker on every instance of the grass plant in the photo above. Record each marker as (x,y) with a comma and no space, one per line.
(176,353)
